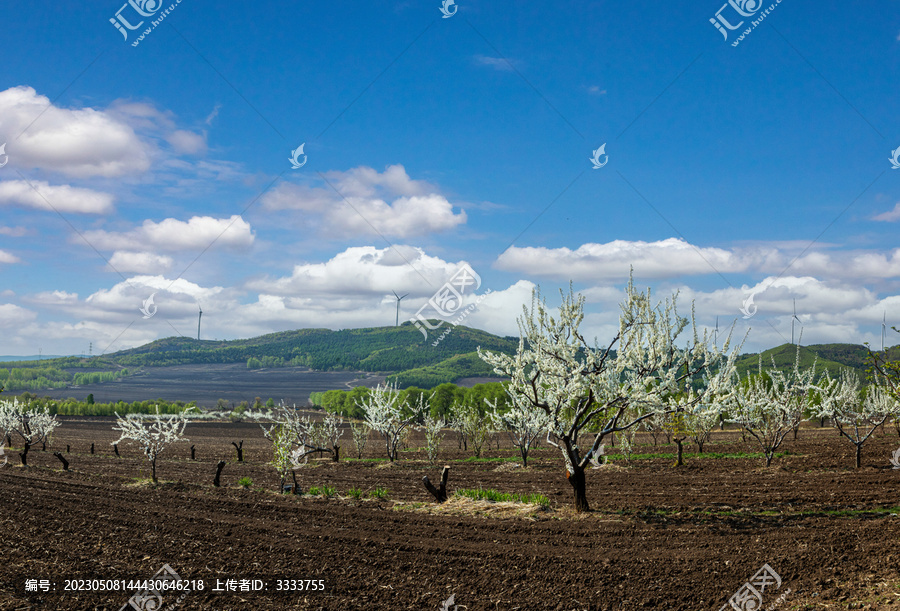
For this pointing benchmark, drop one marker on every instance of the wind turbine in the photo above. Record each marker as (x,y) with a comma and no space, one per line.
(398,306)
(792,321)
(883,325)
(716,336)
(198,322)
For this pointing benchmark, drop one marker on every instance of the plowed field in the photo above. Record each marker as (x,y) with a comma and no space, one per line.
(658,538)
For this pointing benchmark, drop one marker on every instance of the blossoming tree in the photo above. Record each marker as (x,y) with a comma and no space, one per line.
(579,385)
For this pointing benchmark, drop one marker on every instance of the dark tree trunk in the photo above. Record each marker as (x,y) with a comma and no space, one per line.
(858,456)
(296,489)
(24,454)
(153,470)
(65,463)
(240,450)
(680,460)
(796,430)
(9,439)
(579,487)
(821,422)
(219,467)
(700,444)
(43,446)
(193,455)
(440,494)
(92,448)
(67,448)
(336,455)
(116,448)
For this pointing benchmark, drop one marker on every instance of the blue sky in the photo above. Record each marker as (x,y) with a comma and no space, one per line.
(163,168)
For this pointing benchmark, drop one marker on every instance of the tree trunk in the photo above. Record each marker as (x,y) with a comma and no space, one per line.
(24,454)
(579,487)
(769,457)
(67,448)
(336,456)
(524,452)
(65,463)
(296,489)
(679,462)
(43,446)
(440,494)
(858,456)
(116,448)
(240,450)
(92,448)
(153,470)
(219,467)
(193,452)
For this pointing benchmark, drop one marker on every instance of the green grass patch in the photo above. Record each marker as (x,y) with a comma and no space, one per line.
(480,494)
(693,455)
(246,482)
(379,493)
(477,459)
(355,493)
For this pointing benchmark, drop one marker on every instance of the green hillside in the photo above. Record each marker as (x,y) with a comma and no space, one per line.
(831,357)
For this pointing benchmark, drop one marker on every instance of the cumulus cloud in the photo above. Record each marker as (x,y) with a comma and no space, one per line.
(674,258)
(172,235)
(594,262)
(364,270)
(140,262)
(369,203)
(12,316)
(76,142)
(62,198)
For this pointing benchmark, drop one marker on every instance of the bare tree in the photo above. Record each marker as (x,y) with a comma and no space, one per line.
(579,385)
(33,425)
(153,433)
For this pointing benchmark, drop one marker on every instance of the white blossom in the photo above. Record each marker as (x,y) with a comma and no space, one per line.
(153,432)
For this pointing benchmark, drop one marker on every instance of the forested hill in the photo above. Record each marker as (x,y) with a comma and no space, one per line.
(387,349)
(830,357)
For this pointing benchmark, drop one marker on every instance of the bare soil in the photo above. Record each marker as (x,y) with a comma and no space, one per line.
(658,538)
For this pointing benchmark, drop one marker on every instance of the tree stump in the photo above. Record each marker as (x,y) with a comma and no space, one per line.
(67,448)
(240,450)
(440,494)
(193,455)
(92,448)
(219,468)
(65,463)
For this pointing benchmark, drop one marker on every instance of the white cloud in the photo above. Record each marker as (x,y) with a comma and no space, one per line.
(370,203)
(364,271)
(77,142)
(12,316)
(6,257)
(13,232)
(140,262)
(497,63)
(889,216)
(594,262)
(186,142)
(62,198)
(594,89)
(174,235)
